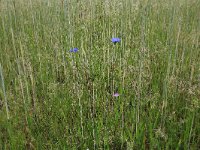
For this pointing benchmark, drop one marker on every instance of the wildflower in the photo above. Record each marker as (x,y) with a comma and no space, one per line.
(74,50)
(116,40)
(116,94)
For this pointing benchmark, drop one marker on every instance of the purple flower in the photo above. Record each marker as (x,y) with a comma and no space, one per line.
(116,94)
(74,50)
(116,40)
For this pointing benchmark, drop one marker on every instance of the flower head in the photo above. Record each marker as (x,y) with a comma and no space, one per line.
(73,50)
(116,94)
(115,40)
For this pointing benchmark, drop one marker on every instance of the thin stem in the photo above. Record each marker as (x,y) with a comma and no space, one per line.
(4,92)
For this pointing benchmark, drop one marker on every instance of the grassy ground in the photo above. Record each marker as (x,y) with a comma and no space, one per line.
(51,98)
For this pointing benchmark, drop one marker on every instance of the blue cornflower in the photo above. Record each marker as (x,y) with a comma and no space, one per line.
(74,50)
(116,40)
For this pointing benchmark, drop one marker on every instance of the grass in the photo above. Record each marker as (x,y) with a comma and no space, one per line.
(53,99)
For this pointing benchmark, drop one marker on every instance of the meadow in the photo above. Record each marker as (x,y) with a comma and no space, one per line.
(64,84)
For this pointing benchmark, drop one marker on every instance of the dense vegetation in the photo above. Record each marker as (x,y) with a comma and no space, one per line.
(54,98)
